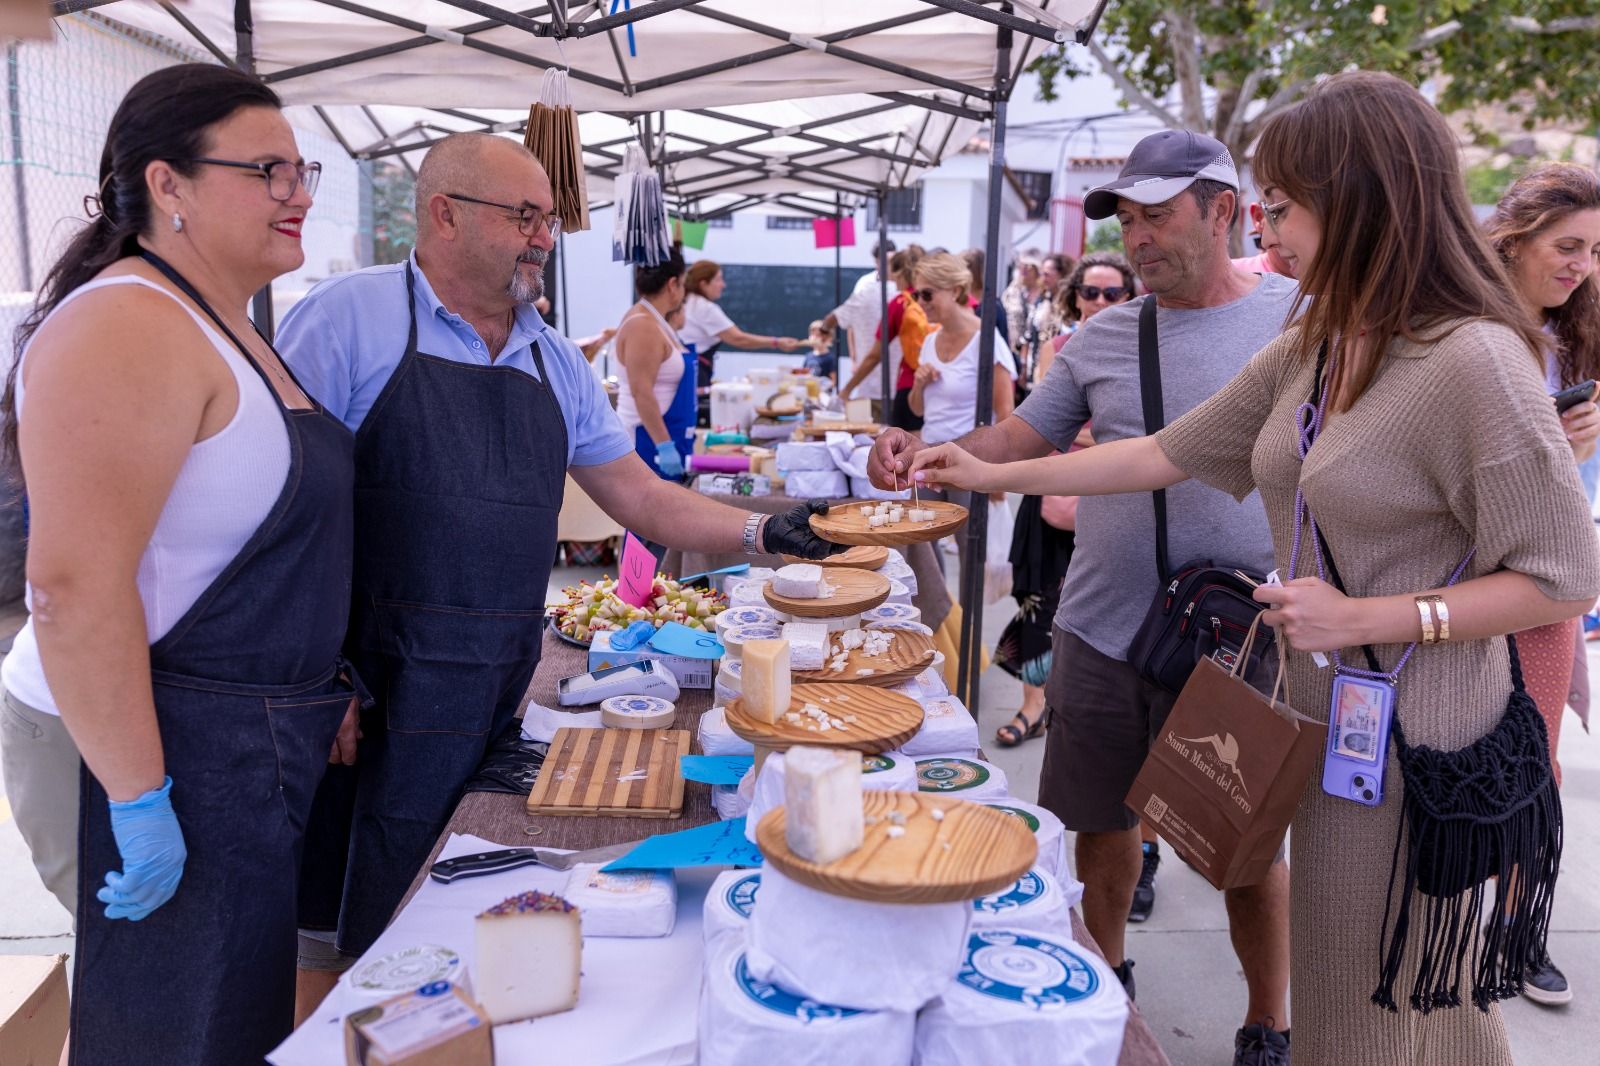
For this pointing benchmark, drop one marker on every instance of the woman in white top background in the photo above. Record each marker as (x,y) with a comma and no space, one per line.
(655,370)
(944,391)
(705,325)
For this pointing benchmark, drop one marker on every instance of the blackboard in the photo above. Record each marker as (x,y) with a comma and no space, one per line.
(782,301)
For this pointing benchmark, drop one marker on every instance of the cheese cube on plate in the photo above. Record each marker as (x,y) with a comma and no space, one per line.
(823,818)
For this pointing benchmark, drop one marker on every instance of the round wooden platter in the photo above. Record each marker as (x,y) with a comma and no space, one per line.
(861,557)
(884,720)
(822,429)
(845,524)
(909,655)
(854,591)
(971,851)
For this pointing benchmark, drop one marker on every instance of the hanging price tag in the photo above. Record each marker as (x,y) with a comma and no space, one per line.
(636,576)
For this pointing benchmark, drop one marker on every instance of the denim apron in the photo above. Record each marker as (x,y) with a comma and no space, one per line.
(680,416)
(460,471)
(249,693)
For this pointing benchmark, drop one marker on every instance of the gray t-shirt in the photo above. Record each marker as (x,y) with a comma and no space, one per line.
(1095,377)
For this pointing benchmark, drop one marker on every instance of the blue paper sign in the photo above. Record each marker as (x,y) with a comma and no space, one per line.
(737,568)
(715,844)
(716,769)
(675,638)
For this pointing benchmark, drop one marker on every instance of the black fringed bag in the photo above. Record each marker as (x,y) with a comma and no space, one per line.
(1487,811)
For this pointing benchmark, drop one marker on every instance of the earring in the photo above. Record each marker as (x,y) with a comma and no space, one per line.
(177,222)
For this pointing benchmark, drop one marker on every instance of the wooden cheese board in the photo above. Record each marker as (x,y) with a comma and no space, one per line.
(884,720)
(590,772)
(909,655)
(970,851)
(845,524)
(854,591)
(822,429)
(861,557)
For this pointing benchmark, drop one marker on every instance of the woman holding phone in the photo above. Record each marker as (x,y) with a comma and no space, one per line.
(1547,231)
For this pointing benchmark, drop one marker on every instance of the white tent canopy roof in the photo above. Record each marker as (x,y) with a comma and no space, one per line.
(817,97)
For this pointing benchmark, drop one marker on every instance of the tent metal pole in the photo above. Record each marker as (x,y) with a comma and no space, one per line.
(933,103)
(972,565)
(1005,18)
(838,276)
(194,31)
(19,175)
(244,40)
(566,321)
(882,265)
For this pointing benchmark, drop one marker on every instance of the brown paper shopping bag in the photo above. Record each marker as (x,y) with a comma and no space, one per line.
(1222,782)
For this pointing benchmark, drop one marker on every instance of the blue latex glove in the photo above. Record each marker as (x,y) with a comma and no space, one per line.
(668,460)
(151,845)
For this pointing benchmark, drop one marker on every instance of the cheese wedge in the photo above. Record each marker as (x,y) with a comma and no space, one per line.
(764,683)
(823,819)
(530,953)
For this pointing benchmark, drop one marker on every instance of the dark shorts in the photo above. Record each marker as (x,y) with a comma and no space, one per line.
(1103,721)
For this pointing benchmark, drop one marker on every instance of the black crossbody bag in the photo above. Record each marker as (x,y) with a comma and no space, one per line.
(1202,610)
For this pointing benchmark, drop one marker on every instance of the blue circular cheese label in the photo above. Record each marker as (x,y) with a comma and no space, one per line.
(785,1003)
(1027,970)
(1028,889)
(642,705)
(950,775)
(741,895)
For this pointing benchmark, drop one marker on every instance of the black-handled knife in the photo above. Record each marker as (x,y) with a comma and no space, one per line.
(493,862)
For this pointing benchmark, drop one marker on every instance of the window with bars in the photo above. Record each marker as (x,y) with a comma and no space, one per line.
(1036,187)
(789,222)
(902,209)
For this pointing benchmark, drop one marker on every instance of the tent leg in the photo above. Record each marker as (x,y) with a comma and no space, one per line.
(971,651)
(838,292)
(883,302)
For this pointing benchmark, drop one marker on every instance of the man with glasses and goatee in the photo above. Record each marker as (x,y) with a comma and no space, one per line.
(469,411)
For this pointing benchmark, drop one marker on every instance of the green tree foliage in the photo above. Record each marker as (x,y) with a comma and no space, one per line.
(1226,66)
(394,212)
(1105,237)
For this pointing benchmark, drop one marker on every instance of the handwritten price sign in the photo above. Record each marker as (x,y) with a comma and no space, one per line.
(637,574)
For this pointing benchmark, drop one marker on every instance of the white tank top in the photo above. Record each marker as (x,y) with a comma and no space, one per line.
(667,378)
(224,491)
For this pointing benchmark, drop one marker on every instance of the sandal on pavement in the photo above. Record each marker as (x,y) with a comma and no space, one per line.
(1020,729)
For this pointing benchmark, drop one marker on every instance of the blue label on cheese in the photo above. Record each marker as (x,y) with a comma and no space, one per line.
(741,895)
(1027,970)
(785,1003)
(1029,888)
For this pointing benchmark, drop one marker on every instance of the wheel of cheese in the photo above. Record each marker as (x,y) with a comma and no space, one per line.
(1035,902)
(948,728)
(1050,835)
(637,712)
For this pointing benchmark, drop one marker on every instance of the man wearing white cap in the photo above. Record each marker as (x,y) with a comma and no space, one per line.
(1176,198)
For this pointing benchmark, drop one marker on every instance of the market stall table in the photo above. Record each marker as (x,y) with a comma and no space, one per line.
(504,818)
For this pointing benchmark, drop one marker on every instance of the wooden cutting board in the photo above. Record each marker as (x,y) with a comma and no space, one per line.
(822,429)
(909,655)
(845,524)
(861,557)
(854,591)
(971,851)
(581,773)
(884,720)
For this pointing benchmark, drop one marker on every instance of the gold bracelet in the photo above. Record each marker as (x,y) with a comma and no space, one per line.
(1442,610)
(1424,613)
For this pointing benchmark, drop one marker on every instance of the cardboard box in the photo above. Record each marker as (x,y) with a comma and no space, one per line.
(33,1009)
(691,673)
(437,1025)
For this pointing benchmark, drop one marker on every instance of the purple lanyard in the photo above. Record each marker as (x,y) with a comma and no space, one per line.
(1308,419)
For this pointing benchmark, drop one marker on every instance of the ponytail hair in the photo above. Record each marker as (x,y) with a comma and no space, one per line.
(166,116)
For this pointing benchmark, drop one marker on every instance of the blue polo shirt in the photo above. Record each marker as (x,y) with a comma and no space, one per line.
(348,335)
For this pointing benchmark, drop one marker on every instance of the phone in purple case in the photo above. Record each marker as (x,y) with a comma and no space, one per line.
(1358,739)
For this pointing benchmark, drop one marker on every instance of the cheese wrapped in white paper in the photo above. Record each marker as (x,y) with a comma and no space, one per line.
(625,903)
(730,679)
(730,901)
(754,614)
(815,484)
(734,637)
(717,739)
(729,802)
(853,952)
(1025,997)
(891,771)
(897,569)
(1034,902)
(745,1020)
(891,612)
(948,728)
(804,455)
(926,686)
(967,779)
(749,594)
(1051,837)
(756,574)
(898,593)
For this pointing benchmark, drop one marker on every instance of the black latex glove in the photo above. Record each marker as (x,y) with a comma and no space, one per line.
(790,533)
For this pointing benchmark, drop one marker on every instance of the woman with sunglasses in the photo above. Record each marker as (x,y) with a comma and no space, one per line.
(944,384)
(1099,280)
(189,575)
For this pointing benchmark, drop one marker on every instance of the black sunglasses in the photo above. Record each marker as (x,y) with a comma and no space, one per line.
(1112,293)
(925,295)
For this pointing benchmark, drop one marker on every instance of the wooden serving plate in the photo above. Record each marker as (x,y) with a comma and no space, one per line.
(861,557)
(845,524)
(884,720)
(821,429)
(973,851)
(854,591)
(909,655)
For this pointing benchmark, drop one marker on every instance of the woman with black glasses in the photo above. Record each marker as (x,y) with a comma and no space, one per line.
(189,575)
(1098,281)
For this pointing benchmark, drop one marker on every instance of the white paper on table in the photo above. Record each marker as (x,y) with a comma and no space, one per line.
(539,723)
(637,1001)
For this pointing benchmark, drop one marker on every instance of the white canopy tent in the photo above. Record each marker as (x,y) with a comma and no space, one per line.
(738,103)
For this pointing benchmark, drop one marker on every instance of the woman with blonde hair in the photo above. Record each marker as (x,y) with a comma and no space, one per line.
(1547,231)
(944,384)
(1424,504)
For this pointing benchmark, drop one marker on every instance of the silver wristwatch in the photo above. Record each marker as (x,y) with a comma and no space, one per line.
(752,529)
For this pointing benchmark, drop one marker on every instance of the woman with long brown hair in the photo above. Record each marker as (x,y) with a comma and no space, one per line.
(1406,450)
(708,327)
(1547,231)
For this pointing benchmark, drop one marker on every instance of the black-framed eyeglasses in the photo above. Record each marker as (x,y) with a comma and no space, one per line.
(1112,293)
(529,219)
(282,176)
